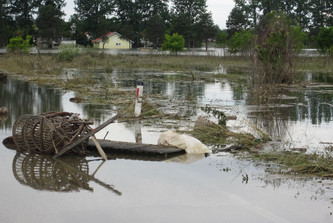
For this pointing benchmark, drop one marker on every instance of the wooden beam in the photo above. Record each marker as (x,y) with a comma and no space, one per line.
(99,148)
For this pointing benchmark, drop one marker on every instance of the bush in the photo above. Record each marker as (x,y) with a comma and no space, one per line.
(324,41)
(174,43)
(67,53)
(19,45)
(277,46)
(241,42)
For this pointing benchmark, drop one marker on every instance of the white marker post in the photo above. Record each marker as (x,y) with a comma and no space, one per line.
(137,131)
(138,100)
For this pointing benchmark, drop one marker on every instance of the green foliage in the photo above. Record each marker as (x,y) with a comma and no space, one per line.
(237,21)
(324,40)
(174,43)
(277,45)
(189,19)
(68,53)
(310,15)
(221,38)
(49,21)
(24,12)
(19,45)
(241,42)
(205,28)
(92,16)
(155,30)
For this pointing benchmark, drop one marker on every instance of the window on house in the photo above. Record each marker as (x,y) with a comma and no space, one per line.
(117,44)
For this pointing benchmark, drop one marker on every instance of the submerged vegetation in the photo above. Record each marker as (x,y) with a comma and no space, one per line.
(214,134)
(301,164)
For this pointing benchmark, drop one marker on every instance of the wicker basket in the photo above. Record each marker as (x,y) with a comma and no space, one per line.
(49,132)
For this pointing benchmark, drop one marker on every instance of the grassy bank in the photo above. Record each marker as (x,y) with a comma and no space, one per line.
(314,64)
(49,64)
(41,65)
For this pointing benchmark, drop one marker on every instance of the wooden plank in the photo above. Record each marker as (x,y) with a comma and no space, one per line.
(114,148)
(136,148)
(86,136)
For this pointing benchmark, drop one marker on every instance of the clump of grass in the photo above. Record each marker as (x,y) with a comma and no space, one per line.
(67,53)
(298,163)
(84,80)
(211,133)
(147,110)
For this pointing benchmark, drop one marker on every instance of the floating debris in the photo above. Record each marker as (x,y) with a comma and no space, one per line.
(3,110)
(49,132)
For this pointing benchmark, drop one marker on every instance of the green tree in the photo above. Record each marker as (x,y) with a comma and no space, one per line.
(248,9)
(310,15)
(206,28)
(93,15)
(5,22)
(221,38)
(23,12)
(277,46)
(324,41)
(49,21)
(133,17)
(155,30)
(148,8)
(129,20)
(321,15)
(174,43)
(185,17)
(237,21)
(19,45)
(241,42)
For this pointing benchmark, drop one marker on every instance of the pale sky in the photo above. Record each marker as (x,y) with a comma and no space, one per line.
(219,8)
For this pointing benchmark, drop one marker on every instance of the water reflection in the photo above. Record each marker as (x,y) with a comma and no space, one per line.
(298,118)
(26,98)
(320,77)
(309,109)
(42,172)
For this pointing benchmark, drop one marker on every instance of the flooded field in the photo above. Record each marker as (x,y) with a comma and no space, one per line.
(187,188)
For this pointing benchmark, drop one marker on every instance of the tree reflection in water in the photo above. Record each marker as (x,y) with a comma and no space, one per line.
(42,172)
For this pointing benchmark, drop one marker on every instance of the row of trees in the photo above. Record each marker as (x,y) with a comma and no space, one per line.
(313,19)
(148,19)
(310,15)
(31,17)
(134,19)
(151,19)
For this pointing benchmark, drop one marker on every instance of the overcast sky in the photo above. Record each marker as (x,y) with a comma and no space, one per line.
(219,8)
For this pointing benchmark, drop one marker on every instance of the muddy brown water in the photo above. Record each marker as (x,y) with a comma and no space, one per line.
(188,188)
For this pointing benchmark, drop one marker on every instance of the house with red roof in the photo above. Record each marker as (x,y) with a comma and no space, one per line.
(112,40)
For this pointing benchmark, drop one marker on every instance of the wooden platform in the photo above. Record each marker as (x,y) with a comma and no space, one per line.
(116,149)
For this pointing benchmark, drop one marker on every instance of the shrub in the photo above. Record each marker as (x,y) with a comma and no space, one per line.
(277,45)
(241,42)
(174,43)
(67,53)
(19,45)
(324,41)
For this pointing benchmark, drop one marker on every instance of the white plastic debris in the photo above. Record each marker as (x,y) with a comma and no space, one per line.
(190,144)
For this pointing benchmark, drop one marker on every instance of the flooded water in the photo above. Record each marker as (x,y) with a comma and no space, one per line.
(188,188)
